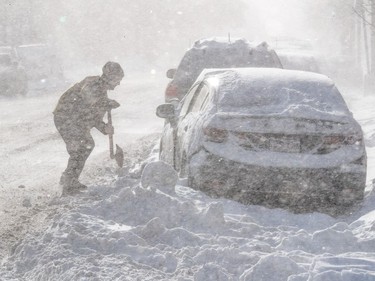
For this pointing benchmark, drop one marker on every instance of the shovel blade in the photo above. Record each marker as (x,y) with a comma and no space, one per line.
(119,156)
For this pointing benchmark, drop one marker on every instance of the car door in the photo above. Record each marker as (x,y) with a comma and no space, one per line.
(185,134)
(169,144)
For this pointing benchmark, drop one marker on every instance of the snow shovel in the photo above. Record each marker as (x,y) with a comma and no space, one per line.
(119,155)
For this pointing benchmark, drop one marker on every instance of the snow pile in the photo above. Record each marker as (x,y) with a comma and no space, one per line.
(154,230)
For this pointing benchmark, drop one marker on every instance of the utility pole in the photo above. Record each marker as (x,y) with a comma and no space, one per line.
(369,87)
(365,35)
(358,31)
(365,39)
(372,28)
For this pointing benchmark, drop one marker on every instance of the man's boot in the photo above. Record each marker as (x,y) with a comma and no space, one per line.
(71,185)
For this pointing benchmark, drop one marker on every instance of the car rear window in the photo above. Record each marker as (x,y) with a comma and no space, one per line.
(281,98)
(196,60)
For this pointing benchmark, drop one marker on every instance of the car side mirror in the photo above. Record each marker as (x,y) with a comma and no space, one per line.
(166,111)
(171,72)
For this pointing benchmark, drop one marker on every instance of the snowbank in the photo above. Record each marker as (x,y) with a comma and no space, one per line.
(153,230)
(148,228)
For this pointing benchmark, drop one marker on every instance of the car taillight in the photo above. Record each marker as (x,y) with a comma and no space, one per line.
(215,134)
(333,140)
(331,143)
(353,140)
(337,140)
(171,92)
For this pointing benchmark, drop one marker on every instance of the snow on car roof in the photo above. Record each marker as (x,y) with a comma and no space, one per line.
(268,75)
(219,53)
(224,42)
(220,42)
(276,91)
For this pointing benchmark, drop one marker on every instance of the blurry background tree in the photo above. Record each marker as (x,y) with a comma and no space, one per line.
(365,12)
(345,32)
(333,25)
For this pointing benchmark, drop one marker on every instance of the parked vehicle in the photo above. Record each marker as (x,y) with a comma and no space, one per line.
(217,53)
(13,80)
(279,138)
(297,54)
(42,66)
(298,61)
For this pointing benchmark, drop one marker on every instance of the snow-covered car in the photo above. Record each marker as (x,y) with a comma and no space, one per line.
(274,137)
(297,54)
(13,80)
(298,61)
(217,52)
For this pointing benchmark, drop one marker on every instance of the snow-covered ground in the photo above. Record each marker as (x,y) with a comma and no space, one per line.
(130,228)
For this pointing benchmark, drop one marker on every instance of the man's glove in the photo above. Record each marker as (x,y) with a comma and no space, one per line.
(109,129)
(111,104)
(105,129)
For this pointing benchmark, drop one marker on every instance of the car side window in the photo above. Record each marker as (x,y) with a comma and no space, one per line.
(206,99)
(199,100)
(188,99)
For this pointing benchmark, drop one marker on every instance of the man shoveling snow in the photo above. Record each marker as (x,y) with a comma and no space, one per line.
(81,108)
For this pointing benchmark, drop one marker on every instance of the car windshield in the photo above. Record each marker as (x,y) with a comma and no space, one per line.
(283,98)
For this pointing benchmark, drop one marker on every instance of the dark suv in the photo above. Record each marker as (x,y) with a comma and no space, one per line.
(217,53)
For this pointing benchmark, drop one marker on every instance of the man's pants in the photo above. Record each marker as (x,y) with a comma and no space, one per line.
(79,144)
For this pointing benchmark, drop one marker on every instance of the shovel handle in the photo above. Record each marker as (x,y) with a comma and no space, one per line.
(111,153)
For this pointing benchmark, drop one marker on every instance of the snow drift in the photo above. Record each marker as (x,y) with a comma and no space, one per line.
(150,229)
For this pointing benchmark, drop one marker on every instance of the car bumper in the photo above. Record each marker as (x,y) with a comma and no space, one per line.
(301,189)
